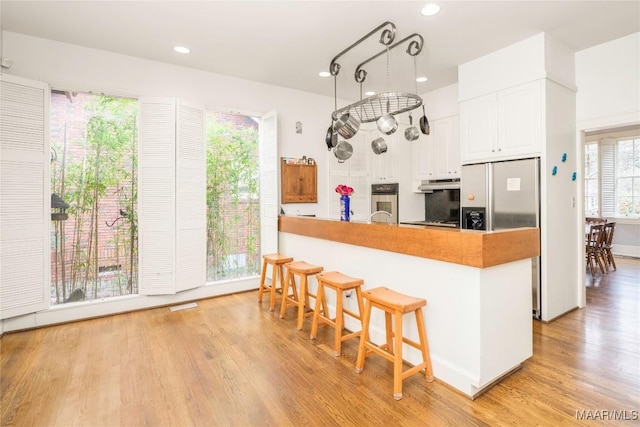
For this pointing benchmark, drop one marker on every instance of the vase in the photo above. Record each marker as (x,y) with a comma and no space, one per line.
(345,209)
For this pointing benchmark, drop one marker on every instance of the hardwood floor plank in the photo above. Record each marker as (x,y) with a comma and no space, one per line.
(231,362)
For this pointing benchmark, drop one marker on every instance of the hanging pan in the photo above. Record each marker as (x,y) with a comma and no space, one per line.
(346,126)
(424,123)
(411,133)
(331,139)
(343,151)
(379,146)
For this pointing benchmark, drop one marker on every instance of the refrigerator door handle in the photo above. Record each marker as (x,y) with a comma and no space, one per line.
(489,186)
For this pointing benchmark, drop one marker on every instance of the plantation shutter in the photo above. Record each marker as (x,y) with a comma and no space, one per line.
(25,196)
(156,195)
(608,177)
(191,227)
(269,183)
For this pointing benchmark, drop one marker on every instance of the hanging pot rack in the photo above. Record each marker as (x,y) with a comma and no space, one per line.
(372,108)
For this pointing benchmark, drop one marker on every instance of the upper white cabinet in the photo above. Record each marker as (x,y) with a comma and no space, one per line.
(384,167)
(446,148)
(437,156)
(355,173)
(503,125)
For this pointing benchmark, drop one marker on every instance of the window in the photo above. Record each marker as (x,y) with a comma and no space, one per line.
(94,249)
(612,174)
(628,177)
(233,205)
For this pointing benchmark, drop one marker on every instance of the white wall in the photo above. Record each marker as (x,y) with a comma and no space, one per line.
(67,66)
(608,79)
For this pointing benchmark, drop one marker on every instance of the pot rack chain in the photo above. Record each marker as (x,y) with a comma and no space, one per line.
(413,49)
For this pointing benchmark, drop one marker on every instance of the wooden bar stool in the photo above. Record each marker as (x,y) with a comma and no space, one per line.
(395,303)
(276,261)
(299,299)
(340,283)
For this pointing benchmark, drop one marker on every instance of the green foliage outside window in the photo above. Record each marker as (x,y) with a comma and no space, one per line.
(94,172)
(233,211)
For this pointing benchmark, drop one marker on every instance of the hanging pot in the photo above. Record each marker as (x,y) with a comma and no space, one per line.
(343,151)
(379,146)
(331,139)
(387,124)
(424,123)
(411,133)
(346,126)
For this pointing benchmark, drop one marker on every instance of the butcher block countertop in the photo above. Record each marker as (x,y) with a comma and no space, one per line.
(480,249)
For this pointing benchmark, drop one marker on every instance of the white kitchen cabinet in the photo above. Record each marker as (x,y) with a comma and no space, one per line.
(422,159)
(437,156)
(445,143)
(503,125)
(384,167)
(354,173)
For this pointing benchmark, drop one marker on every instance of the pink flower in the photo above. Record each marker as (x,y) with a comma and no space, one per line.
(344,190)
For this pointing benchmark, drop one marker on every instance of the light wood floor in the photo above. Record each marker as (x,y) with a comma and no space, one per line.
(232,362)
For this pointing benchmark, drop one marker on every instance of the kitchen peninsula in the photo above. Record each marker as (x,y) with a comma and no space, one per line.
(477,284)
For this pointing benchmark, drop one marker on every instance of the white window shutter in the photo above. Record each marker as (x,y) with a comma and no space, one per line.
(608,177)
(269,183)
(156,195)
(25,196)
(191,214)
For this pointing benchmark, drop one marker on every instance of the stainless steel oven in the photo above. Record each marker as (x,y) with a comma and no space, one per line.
(384,198)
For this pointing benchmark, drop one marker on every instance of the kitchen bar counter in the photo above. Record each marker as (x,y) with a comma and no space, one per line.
(477,285)
(465,247)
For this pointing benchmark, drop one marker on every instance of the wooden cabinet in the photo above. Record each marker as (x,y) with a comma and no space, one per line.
(503,125)
(298,183)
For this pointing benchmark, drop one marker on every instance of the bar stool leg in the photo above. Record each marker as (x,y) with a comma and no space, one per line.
(316,311)
(389,332)
(337,341)
(364,337)
(424,346)
(274,281)
(262,279)
(288,282)
(301,302)
(397,352)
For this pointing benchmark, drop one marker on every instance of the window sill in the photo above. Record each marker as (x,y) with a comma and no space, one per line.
(624,220)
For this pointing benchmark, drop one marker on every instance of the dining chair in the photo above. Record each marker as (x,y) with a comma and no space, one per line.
(607,245)
(595,220)
(594,251)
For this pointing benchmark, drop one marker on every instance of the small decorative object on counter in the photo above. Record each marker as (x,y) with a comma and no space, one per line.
(345,208)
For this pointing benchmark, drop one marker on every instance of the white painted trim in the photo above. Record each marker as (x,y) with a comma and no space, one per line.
(626,250)
(620,120)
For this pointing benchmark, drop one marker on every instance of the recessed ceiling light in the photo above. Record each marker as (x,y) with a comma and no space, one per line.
(421,79)
(370,93)
(182,49)
(324,74)
(430,9)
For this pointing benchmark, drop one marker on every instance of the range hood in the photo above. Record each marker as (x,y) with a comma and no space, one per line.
(439,184)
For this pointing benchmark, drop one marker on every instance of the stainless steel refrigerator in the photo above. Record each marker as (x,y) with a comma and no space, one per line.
(502,195)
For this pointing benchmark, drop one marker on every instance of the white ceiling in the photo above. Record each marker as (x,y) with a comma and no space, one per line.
(286,43)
